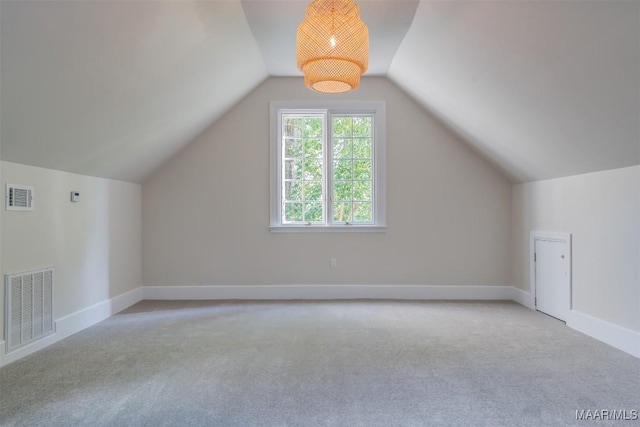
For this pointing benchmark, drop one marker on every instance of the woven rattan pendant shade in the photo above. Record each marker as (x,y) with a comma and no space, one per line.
(332,46)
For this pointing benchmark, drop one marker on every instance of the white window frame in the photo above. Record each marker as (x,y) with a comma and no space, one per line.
(377,108)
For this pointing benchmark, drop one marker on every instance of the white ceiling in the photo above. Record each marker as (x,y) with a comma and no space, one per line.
(544,89)
(115,88)
(274,24)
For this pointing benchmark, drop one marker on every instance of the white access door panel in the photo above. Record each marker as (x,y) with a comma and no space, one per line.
(553,278)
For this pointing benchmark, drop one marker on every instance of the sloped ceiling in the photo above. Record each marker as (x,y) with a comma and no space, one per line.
(275,22)
(544,89)
(115,88)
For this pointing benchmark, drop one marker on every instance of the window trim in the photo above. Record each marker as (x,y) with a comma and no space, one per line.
(378,109)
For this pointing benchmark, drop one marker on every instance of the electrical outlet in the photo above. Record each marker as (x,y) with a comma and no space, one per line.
(334,263)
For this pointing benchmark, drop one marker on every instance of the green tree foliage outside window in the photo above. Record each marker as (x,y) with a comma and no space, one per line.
(351,164)
(352,169)
(303,168)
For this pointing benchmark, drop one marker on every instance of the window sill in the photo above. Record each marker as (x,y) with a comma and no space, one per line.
(328,228)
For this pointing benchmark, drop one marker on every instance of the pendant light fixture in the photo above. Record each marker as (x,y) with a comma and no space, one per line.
(332,46)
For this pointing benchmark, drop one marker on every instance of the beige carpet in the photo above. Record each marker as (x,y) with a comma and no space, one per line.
(345,363)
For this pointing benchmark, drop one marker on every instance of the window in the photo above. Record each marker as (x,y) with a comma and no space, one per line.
(328,167)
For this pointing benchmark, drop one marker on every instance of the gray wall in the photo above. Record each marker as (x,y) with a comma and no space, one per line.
(206,211)
(94,245)
(602,212)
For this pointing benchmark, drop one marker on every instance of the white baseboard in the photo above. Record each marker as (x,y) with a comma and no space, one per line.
(28,349)
(288,292)
(126,300)
(616,336)
(523,298)
(75,322)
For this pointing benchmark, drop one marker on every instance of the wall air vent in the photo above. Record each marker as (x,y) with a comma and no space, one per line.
(29,307)
(19,197)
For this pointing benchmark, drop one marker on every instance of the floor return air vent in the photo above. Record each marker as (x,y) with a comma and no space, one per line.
(29,307)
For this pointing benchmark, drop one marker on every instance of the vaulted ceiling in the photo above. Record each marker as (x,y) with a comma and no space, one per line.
(114,89)
(543,88)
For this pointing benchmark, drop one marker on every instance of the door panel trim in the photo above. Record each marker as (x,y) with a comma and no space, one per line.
(551,236)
